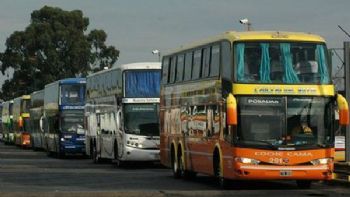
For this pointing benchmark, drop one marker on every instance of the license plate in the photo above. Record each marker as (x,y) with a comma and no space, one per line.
(285,173)
(69,147)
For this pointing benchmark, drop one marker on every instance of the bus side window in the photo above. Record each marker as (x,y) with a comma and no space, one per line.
(172,72)
(180,67)
(165,70)
(206,62)
(197,63)
(226,61)
(215,61)
(188,65)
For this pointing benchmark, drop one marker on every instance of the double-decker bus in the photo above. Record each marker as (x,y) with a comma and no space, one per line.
(64,102)
(7,122)
(36,120)
(248,106)
(21,120)
(122,113)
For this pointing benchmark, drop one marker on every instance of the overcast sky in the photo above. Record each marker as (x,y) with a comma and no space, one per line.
(136,27)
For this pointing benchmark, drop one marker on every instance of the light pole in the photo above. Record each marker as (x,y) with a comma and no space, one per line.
(246,22)
(156,51)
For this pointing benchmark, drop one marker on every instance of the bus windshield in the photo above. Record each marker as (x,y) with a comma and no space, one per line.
(142,83)
(277,122)
(281,62)
(71,120)
(142,119)
(72,94)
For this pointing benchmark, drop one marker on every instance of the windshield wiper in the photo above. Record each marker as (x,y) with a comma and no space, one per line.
(262,142)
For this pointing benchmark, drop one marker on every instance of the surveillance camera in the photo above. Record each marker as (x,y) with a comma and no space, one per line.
(155,51)
(244,21)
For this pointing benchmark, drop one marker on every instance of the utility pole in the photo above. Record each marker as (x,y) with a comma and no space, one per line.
(347,90)
(347,95)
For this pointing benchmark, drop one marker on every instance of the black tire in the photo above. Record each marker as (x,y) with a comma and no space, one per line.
(175,165)
(180,162)
(118,162)
(189,175)
(304,184)
(222,182)
(94,156)
(48,152)
(60,154)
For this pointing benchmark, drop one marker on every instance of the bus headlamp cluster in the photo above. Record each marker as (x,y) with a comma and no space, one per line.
(134,144)
(66,137)
(247,160)
(322,161)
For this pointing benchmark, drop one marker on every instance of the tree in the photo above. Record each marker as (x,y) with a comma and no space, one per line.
(52,47)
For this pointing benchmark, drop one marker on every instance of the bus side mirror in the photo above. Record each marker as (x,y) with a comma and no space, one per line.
(343,110)
(231,110)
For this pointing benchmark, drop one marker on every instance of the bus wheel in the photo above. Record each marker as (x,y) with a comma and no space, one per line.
(222,182)
(119,163)
(94,156)
(61,155)
(189,175)
(303,184)
(175,164)
(181,165)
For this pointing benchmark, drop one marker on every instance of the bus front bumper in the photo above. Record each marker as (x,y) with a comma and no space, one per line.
(73,148)
(136,154)
(305,172)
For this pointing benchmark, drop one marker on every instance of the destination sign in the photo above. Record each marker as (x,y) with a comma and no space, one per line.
(274,89)
(140,100)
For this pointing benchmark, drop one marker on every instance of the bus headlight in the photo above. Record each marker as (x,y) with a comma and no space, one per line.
(62,139)
(134,144)
(322,161)
(247,160)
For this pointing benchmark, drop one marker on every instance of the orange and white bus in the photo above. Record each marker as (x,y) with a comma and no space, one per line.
(249,106)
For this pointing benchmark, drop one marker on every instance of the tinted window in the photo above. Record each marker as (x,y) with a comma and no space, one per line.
(197,60)
(173,69)
(188,66)
(226,60)
(215,61)
(72,94)
(206,62)
(165,70)
(180,67)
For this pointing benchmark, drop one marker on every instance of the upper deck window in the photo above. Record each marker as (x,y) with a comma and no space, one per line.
(72,94)
(281,62)
(197,63)
(142,83)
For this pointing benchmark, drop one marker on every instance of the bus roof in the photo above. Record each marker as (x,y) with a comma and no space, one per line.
(72,80)
(23,97)
(138,65)
(234,36)
(67,81)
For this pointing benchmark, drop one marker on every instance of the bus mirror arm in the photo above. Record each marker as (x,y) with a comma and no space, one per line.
(343,110)
(231,110)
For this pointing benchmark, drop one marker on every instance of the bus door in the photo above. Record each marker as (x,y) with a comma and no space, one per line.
(107,136)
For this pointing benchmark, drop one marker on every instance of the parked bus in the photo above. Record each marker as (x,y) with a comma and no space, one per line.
(1,130)
(7,122)
(21,123)
(121,113)
(248,106)
(36,120)
(64,102)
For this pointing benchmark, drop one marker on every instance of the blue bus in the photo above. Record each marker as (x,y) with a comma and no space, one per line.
(64,102)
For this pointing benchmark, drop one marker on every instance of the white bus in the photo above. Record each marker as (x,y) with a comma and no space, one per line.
(122,113)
